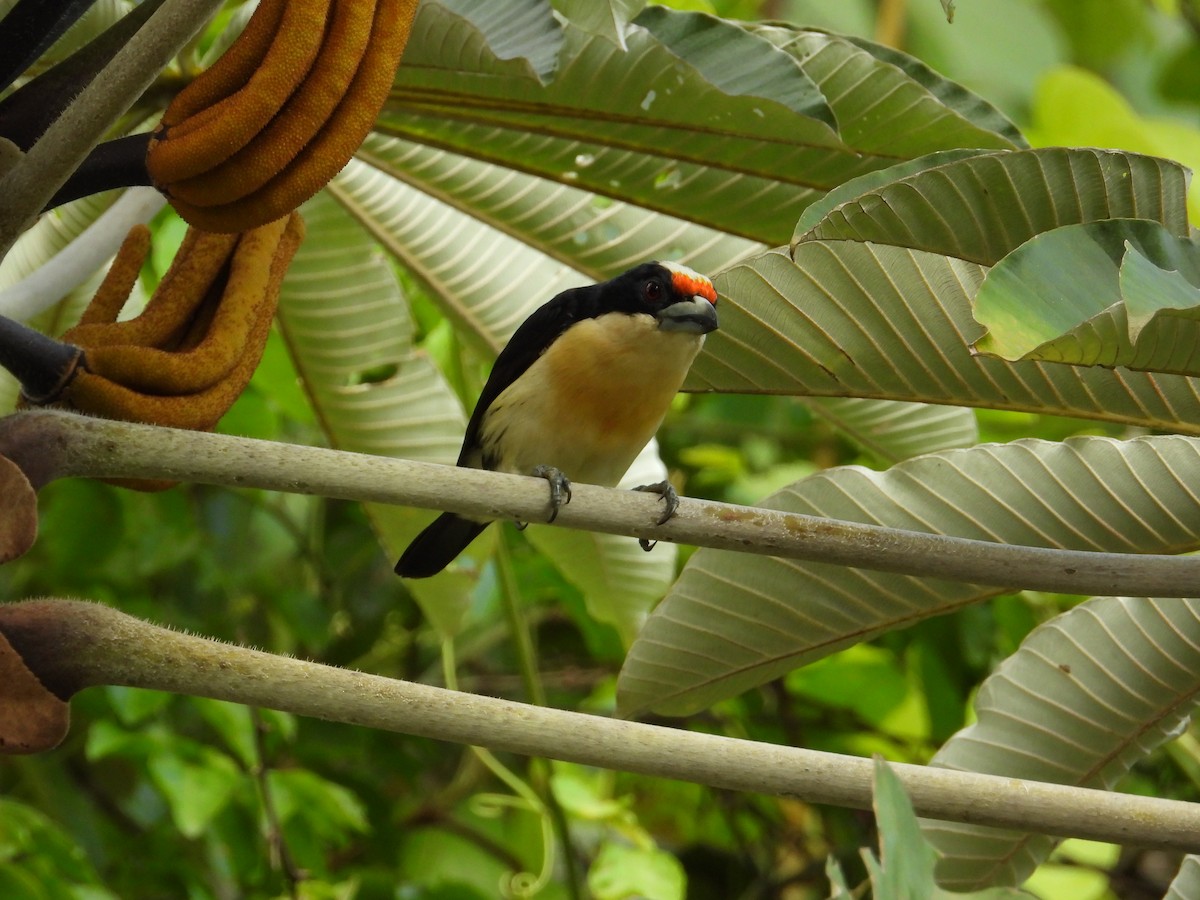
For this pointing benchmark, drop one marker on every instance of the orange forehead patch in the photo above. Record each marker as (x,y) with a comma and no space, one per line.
(690,283)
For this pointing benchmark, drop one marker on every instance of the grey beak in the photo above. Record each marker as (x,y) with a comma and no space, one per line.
(696,316)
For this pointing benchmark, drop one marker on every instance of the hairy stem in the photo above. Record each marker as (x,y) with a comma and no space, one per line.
(74,644)
(49,444)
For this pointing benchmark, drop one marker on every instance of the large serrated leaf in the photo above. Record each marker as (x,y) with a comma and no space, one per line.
(1086,696)
(877,93)
(982,208)
(590,233)
(480,277)
(848,319)
(347,326)
(892,431)
(1124,292)
(733,621)
(693,134)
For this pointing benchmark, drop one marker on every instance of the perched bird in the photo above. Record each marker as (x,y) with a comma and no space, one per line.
(578,391)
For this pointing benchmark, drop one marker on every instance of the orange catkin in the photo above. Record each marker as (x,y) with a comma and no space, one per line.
(178,152)
(300,149)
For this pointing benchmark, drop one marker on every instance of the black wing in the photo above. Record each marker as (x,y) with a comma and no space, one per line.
(528,342)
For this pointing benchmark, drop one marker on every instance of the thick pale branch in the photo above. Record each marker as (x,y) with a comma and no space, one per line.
(48,444)
(76,644)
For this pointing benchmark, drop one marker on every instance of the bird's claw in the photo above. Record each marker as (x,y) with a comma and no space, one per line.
(560,488)
(665,490)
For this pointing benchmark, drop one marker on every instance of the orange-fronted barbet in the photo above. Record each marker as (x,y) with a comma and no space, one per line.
(578,391)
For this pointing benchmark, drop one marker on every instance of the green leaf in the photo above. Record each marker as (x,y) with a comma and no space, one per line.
(317,805)
(348,328)
(982,207)
(1086,696)
(851,319)
(195,792)
(692,134)
(624,873)
(1076,107)
(892,431)
(906,859)
(233,723)
(608,18)
(521,30)
(511,222)
(734,620)
(719,48)
(1116,293)
(620,583)
(136,705)
(851,190)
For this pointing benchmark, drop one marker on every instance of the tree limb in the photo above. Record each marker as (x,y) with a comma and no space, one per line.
(70,645)
(49,444)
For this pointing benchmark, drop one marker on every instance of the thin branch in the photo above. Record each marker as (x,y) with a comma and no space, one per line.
(31,182)
(73,644)
(49,444)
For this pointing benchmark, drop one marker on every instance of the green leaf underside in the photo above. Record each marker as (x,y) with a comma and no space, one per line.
(848,319)
(343,315)
(691,135)
(733,621)
(893,430)
(1124,292)
(512,231)
(906,861)
(620,582)
(983,207)
(1086,696)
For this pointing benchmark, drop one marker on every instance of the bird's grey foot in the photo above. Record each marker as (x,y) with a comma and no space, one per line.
(665,490)
(560,488)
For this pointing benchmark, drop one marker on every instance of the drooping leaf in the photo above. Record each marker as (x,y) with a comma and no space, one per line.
(983,207)
(733,620)
(849,191)
(1086,696)
(1124,292)
(681,127)
(852,319)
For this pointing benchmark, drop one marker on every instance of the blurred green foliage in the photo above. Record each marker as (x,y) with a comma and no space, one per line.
(158,796)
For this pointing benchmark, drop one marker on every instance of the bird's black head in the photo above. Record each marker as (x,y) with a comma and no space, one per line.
(680,299)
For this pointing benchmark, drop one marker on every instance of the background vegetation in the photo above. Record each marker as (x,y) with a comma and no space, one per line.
(156,795)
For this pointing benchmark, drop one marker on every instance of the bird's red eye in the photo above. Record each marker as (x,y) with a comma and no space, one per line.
(652,291)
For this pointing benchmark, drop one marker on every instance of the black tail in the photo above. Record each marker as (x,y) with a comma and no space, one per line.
(435,547)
